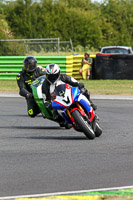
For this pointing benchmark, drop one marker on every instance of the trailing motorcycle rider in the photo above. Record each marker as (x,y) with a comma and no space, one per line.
(29,73)
(54,78)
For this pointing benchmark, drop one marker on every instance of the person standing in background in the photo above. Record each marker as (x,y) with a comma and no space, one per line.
(86,67)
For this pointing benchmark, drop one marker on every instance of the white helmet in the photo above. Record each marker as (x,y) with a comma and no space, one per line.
(52,72)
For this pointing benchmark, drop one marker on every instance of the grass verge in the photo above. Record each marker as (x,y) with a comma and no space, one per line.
(121,87)
(8,86)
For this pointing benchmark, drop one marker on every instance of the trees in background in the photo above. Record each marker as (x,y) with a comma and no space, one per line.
(5,32)
(118,16)
(86,23)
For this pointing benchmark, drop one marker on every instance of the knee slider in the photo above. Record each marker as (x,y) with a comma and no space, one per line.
(31,113)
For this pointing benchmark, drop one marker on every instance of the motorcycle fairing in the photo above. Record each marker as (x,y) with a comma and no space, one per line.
(84,101)
(39,92)
(38,96)
(37,87)
(56,104)
(91,115)
(67,99)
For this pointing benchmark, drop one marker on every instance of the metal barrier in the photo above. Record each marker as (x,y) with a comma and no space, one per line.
(11,65)
(73,65)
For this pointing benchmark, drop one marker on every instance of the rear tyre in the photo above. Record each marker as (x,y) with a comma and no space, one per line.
(83,125)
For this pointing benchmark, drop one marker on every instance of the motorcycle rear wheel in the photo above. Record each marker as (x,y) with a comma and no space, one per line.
(83,125)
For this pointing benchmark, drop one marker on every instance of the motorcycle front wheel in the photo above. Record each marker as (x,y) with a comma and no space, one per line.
(83,124)
(98,130)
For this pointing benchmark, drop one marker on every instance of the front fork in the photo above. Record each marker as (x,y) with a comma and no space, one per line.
(79,107)
(89,117)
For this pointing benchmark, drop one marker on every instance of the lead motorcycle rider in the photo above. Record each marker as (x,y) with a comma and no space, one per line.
(54,77)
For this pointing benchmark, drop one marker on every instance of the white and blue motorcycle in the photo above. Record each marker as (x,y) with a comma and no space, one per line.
(76,110)
(71,105)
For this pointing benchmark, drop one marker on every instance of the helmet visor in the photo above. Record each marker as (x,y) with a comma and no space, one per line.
(30,67)
(52,77)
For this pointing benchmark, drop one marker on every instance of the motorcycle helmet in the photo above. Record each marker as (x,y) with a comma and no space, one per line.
(30,64)
(52,72)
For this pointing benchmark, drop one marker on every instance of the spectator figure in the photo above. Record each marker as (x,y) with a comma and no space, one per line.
(85,69)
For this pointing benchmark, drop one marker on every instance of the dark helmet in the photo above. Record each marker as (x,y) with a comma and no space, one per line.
(52,72)
(30,64)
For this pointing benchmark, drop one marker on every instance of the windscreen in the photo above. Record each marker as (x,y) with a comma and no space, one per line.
(116,50)
(60,90)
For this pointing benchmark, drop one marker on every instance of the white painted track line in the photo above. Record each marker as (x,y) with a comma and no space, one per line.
(68,192)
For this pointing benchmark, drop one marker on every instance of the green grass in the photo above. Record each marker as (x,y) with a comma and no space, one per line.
(122,87)
(8,85)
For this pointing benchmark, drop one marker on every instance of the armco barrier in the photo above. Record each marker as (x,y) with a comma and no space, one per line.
(11,65)
(73,64)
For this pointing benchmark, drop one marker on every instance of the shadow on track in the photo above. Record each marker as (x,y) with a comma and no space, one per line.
(31,127)
(48,137)
(20,115)
(11,115)
(54,137)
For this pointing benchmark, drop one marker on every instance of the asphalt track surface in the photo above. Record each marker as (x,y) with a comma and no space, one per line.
(37,156)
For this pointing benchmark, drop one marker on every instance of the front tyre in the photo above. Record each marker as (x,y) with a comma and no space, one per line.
(83,125)
(98,130)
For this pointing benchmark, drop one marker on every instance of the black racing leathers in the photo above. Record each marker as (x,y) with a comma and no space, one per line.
(24,81)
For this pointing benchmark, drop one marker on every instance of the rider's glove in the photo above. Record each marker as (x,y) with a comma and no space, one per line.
(48,105)
(29,96)
(93,106)
(81,85)
(53,96)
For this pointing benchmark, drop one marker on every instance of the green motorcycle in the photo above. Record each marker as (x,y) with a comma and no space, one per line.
(38,96)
